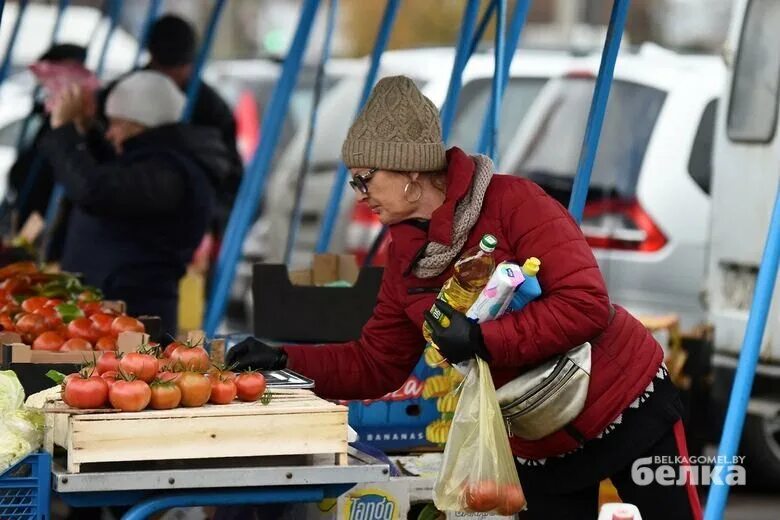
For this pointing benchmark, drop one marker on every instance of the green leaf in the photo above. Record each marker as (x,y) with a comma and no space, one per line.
(69,312)
(57,377)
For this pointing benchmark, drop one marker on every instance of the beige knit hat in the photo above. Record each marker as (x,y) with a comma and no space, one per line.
(398,130)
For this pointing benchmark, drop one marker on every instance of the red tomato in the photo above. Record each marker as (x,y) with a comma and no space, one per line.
(34,303)
(222,391)
(482,496)
(512,500)
(30,326)
(82,328)
(130,396)
(48,341)
(85,392)
(166,377)
(194,359)
(51,316)
(126,324)
(91,308)
(75,344)
(195,389)
(110,377)
(106,343)
(52,303)
(142,366)
(171,347)
(250,386)
(222,375)
(102,323)
(107,362)
(6,322)
(165,395)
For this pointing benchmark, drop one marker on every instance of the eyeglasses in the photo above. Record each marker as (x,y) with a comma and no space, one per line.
(359,181)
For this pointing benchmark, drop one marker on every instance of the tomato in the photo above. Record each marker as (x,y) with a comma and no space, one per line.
(106,343)
(142,366)
(126,324)
(512,500)
(74,344)
(16,284)
(482,496)
(34,303)
(85,392)
(165,395)
(107,362)
(6,322)
(222,391)
(101,323)
(91,308)
(223,375)
(110,377)
(30,326)
(48,341)
(130,396)
(82,328)
(52,303)
(195,389)
(166,377)
(51,316)
(195,359)
(250,386)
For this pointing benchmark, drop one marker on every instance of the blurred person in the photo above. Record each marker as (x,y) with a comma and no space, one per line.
(172,49)
(138,216)
(438,203)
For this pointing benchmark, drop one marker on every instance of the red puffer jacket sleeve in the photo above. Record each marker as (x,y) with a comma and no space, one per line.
(574,306)
(378,363)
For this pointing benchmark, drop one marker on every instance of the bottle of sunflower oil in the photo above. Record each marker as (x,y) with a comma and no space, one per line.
(470,275)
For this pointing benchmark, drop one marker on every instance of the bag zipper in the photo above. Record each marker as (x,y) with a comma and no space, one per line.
(538,403)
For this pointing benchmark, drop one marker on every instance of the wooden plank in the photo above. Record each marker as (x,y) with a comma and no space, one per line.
(205,437)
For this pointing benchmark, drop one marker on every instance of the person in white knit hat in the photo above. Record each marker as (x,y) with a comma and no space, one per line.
(143,198)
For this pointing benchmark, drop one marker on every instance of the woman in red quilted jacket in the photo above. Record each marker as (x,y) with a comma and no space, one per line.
(438,203)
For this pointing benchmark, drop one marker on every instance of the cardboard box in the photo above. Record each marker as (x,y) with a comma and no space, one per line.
(327,268)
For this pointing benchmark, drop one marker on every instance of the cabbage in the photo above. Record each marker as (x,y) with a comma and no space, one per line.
(11,392)
(21,430)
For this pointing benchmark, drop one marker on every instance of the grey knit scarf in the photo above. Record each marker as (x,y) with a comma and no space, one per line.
(437,256)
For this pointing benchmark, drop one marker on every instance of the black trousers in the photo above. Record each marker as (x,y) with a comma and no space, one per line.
(654,501)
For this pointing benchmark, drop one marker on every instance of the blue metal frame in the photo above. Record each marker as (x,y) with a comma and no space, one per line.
(114,10)
(748,359)
(6,66)
(598,108)
(482,27)
(55,33)
(295,218)
(490,128)
(498,84)
(462,55)
(143,37)
(205,48)
(337,191)
(253,182)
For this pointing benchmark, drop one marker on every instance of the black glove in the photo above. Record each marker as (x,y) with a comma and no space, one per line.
(462,340)
(254,354)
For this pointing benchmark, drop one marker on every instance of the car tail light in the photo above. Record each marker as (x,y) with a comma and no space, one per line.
(621,225)
(247,125)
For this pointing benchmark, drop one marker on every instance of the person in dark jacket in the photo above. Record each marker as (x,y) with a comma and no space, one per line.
(30,178)
(172,47)
(138,217)
(437,203)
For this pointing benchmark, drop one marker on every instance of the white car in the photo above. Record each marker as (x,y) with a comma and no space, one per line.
(648,211)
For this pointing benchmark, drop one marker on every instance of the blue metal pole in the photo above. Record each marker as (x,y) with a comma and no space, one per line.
(9,50)
(483,23)
(55,33)
(2,8)
(337,191)
(143,37)
(461,58)
(748,359)
(598,108)
(114,10)
(205,48)
(519,17)
(498,84)
(253,182)
(295,220)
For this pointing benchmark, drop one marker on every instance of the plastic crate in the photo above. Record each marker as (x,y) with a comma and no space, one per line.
(25,489)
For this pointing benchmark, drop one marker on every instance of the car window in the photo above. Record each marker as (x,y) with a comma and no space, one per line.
(700,162)
(552,157)
(9,134)
(473,103)
(753,106)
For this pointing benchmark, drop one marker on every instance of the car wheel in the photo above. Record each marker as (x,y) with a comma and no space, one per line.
(761,447)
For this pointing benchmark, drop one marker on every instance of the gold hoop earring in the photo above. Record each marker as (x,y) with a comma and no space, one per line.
(418,188)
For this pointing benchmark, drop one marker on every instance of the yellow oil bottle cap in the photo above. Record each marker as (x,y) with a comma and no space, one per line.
(531,266)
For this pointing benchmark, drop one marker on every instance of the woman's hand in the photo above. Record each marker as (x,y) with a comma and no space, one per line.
(462,340)
(254,354)
(72,106)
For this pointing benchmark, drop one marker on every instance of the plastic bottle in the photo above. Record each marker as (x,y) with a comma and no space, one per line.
(470,274)
(530,288)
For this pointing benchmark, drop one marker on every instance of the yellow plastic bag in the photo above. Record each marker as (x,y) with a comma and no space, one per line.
(478,472)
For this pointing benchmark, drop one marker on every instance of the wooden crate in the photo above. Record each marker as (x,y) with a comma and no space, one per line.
(295,422)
